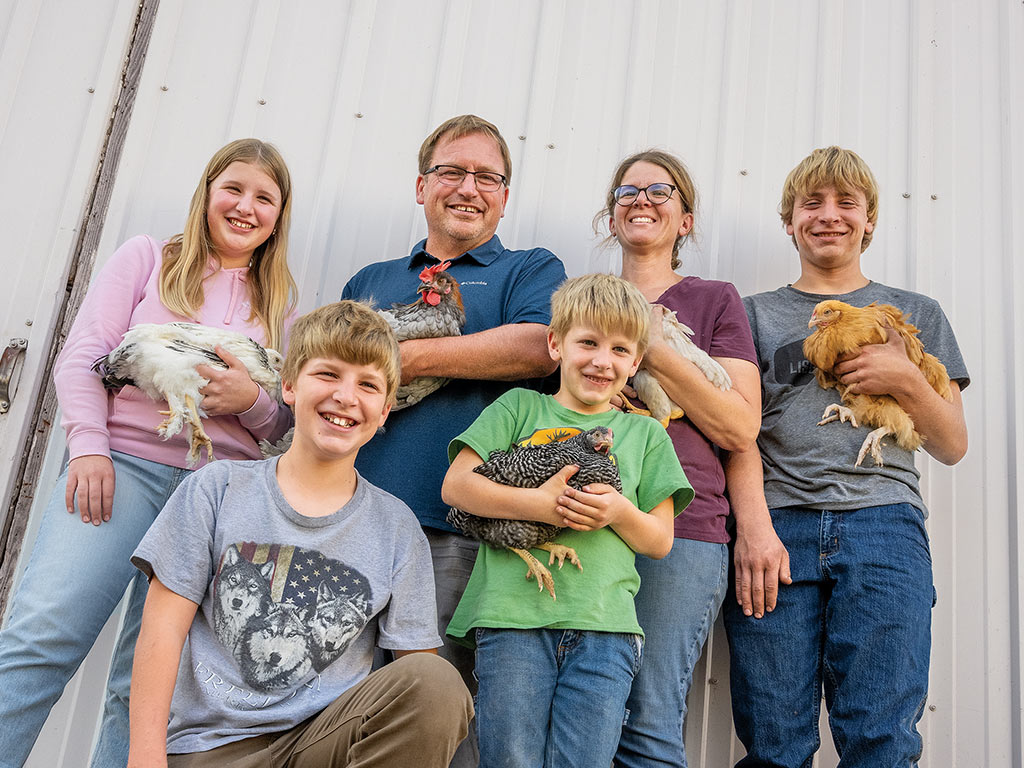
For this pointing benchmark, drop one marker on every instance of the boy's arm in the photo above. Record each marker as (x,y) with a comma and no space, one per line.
(165,623)
(599,505)
(761,560)
(471,492)
(885,369)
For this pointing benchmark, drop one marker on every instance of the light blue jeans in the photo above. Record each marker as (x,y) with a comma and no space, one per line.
(552,697)
(856,624)
(76,575)
(679,598)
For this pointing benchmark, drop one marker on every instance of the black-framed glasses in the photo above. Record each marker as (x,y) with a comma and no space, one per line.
(453,176)
(658,193)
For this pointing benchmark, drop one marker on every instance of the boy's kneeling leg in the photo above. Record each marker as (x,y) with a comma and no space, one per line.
(414,711)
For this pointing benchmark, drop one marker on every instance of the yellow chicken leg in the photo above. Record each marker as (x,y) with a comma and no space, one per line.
(873,443)
(561,552)
(198,437)
(536,569)
(838,412)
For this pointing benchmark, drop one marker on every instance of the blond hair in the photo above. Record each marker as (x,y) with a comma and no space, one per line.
(603,302)
(456,128)
(841,169)
(185,256)
(681,179)
(345,330)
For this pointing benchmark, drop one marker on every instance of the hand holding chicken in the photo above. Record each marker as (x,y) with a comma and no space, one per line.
(163,360)
(859,351)
(667,329)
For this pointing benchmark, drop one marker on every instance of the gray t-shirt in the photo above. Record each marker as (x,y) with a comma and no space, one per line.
(808,465)
(290,607)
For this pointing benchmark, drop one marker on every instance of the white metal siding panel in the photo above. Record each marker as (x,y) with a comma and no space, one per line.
(51,132)
(929,92)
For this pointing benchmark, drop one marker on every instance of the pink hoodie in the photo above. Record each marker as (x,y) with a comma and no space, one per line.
(124,294)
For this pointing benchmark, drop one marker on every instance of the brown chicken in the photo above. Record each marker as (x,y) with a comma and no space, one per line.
(841,329)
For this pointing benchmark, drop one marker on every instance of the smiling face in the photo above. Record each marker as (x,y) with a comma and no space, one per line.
(244,203)
(594,366)
(338,407)
(646,228)
(461,218)
(828,227)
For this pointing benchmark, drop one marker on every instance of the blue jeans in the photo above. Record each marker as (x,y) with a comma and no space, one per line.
(678,601)
(453,555)
(552,697)
(76,575)
(856,622)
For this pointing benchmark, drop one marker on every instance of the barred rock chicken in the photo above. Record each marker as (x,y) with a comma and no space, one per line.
(437,312)
(841,329)
(660,406)
(161,360)
(529,466)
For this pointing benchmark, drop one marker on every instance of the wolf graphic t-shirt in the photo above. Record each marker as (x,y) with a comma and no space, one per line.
(290,607)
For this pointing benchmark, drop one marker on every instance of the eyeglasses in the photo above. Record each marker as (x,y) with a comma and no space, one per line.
(453,175)
(657,194)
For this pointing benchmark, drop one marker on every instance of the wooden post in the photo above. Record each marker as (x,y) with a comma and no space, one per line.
(82,260)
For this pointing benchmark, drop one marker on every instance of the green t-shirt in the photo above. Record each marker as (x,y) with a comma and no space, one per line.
(600,597)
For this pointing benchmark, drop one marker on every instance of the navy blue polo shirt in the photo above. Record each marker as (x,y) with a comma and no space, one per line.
(499,287)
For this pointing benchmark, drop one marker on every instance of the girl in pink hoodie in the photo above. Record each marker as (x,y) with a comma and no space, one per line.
(229,270)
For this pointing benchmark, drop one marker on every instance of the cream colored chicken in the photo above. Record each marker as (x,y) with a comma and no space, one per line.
(161,360)
(660,406)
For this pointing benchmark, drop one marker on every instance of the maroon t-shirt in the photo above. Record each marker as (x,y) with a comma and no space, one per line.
(715,313)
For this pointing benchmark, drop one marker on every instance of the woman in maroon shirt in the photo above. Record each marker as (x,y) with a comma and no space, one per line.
(650,210)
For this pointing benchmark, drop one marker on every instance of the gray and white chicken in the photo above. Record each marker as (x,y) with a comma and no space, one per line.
(161,359)
(530,466)
(660,405)
(437,312)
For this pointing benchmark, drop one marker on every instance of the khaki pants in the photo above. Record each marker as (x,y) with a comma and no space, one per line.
(412,712)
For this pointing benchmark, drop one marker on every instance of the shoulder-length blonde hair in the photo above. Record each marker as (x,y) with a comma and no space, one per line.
(272,288)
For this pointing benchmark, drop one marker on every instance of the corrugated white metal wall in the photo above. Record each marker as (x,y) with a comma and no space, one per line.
(930,93)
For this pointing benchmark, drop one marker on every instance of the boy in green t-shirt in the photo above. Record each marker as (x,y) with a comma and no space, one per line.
(545,666)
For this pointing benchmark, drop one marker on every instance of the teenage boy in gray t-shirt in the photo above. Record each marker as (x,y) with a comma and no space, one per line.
(272,581)
(847,543)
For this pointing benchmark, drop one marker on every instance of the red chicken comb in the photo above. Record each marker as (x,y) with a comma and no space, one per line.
(429,272)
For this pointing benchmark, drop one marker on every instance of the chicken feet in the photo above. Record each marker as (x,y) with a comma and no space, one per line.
(186,412)
(838,412)
(561,552)
(873,443)
(536,569)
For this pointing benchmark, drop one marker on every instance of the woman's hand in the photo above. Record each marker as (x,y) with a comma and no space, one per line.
(231,390)
(91,482)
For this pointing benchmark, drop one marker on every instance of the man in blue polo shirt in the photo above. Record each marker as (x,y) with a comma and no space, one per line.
(464,174)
